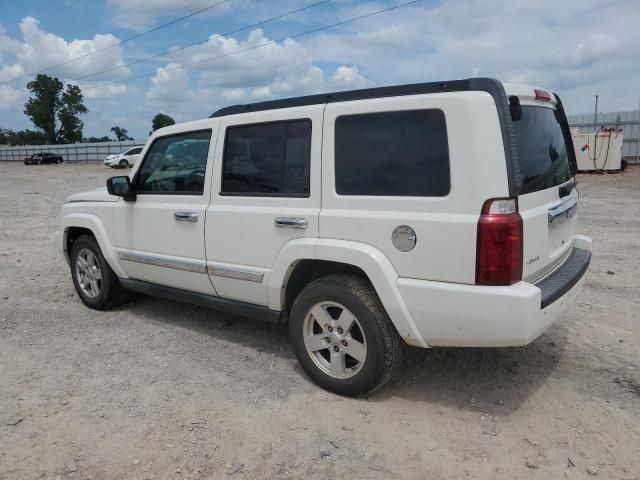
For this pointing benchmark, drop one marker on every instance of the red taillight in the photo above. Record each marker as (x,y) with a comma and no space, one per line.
(499,243)
(542,95)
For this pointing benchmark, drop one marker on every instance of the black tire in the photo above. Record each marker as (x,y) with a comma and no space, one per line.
(111,294)
(123,163)
(384,345)
(59,161)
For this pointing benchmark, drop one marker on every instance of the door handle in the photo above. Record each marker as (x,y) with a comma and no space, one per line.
(291,222)
(186,217)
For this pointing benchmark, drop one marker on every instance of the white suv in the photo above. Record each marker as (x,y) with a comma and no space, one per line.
(437,214)
(126,158)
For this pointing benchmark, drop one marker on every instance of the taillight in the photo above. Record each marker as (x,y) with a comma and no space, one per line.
(499,243)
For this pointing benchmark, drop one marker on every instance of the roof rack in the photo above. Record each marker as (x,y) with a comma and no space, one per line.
(486,84)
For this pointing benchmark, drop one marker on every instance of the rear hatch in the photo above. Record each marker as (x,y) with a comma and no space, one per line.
(547,199)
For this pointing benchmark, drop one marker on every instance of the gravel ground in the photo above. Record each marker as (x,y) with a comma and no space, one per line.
(163,390)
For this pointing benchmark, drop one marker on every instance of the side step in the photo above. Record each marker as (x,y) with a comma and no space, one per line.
(226,305)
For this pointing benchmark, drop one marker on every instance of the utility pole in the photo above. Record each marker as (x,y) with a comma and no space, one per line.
(595,114)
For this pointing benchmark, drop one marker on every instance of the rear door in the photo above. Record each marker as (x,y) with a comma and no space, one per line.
(266,193)
(547,201)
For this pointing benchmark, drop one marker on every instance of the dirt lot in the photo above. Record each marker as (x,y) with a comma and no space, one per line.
(163,390)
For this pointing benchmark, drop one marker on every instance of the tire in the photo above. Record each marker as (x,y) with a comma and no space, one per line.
(59,161)
(372,328)
(110,293)
(123,163)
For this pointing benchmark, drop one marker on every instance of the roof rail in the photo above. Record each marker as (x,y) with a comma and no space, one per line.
(487,84)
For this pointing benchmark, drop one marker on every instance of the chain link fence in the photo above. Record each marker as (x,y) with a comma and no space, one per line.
(76,152)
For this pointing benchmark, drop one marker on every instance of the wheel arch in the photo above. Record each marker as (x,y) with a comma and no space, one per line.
(302,261)
(76,224)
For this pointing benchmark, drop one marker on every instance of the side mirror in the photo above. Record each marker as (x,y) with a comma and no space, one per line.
(121,187)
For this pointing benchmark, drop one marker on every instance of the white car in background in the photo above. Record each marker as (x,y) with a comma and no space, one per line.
(124,159)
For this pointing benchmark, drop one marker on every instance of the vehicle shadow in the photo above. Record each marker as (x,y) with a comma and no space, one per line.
(488,380)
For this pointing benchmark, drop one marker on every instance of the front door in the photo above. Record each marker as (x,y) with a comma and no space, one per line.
(160,235)
(266,193)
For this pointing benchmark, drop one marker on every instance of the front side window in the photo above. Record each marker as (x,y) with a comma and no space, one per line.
(271,159)
(134,151)
(175,164)
(402,153)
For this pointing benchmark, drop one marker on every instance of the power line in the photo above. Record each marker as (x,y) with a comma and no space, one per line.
(159,27)
(58,10)
(201,42)
(105,20)
(255,47)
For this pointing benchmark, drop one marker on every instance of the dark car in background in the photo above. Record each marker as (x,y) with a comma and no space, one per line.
(42,158)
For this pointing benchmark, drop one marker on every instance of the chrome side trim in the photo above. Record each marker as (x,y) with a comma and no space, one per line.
(157,261)
(236,273)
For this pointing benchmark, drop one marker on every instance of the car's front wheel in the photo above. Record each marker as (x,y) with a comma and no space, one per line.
(343,336)
(97,285)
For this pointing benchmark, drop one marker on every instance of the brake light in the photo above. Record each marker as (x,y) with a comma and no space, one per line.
(499,243)
(542,95)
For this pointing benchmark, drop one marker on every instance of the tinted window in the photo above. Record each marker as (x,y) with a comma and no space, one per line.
(175,164)
(134,151)
(542,151)
(268,159)
(392,153)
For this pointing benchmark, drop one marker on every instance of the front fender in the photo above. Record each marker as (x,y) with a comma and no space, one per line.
(367,258)
(94,224)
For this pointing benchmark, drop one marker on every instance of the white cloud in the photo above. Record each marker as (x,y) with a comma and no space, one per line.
(102,89)
(144,14)
(170,85)
(40,50)
(248,70)
(9,72)
(10,97)
(584,46)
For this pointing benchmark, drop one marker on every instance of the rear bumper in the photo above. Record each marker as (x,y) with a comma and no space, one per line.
(448,314)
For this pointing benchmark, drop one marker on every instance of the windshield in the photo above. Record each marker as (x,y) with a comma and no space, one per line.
(542,150)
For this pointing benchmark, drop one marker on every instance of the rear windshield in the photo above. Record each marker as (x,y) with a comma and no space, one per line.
(542,150)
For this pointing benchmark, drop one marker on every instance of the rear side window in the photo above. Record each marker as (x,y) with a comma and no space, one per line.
(542,150)
(271,159)
(403,153)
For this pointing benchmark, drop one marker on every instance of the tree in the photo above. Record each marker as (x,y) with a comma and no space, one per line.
(70,123)
(97,139)
(55,110)
(22,137)
(121,133)
(161,120)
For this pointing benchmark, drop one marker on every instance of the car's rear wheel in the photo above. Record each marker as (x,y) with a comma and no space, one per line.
(97,285)
(123,164)
(343,336)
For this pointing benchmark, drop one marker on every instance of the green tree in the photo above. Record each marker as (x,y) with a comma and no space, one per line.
(22,137)
(161,120)
(70,123)
(121,133)
(55,110)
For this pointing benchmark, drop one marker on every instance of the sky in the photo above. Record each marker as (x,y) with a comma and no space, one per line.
(577,48)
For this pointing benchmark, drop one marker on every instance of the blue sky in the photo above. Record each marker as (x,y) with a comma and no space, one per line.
(576,47)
